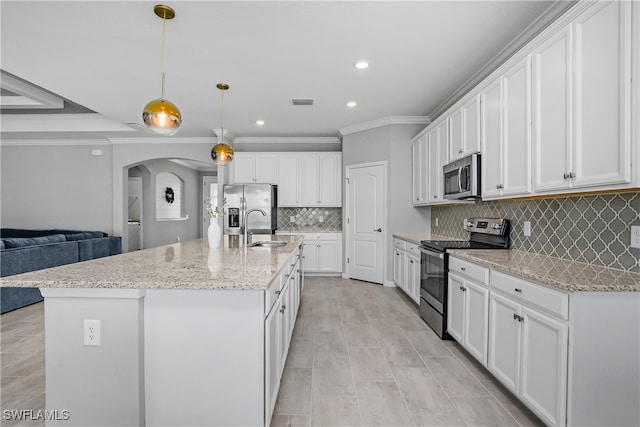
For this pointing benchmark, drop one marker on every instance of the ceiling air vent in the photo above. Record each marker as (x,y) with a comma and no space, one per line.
(301,101)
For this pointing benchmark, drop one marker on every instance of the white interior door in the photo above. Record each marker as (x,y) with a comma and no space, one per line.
(366,225)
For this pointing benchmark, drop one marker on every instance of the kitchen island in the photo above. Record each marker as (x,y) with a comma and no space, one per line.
(178,335)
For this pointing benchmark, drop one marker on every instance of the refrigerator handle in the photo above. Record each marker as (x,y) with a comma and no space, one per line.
(243,210)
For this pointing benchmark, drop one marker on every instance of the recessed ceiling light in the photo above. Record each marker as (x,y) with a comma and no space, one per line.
(361,65)
(260,122)
(351,104)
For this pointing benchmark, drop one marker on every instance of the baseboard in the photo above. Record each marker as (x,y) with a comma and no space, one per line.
(344,276)
(389,284)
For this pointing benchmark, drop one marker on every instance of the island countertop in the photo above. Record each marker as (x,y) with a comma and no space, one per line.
(185,265)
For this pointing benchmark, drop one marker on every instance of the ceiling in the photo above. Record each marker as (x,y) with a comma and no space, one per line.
(106,57)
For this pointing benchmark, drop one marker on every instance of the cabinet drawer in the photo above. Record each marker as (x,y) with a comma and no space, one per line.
(413,249)
(470,270)
(319,236)
(548,299)
(400,244)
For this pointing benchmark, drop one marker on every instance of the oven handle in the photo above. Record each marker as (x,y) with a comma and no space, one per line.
(431,253)
(460,179)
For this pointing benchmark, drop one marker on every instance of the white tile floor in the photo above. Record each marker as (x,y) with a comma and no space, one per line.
(360,356)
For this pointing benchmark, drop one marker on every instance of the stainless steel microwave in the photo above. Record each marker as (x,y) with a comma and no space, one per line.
(462,178)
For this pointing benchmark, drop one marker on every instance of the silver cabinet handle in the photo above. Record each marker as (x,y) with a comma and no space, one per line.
(572,175)
(462,288)
(379,230)
(518,317)
(566,175)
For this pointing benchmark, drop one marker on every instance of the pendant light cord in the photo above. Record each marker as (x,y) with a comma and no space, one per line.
(222,115)
(164,50)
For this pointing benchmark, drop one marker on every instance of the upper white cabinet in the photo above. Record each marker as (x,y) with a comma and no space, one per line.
(506,133)
(581,102)
(420,170)
(255,168)
(288,180)
(465,129)
(430,154)
(321,180)
(303,179)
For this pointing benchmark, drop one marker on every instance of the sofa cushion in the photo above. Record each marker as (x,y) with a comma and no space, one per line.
(19,242)
(84,235)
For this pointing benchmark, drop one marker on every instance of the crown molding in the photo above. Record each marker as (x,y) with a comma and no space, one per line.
(165,140)
(287,140)
(385,121)
(227,135)
(66,142)
(89,122)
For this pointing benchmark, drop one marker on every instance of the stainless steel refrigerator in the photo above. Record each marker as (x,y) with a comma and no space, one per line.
(241,198)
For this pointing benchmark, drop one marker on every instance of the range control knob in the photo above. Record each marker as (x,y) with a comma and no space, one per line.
(496,226)
(469,224)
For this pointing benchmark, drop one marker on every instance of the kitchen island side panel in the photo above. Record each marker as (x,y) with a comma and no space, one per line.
(604,359)
(204,358)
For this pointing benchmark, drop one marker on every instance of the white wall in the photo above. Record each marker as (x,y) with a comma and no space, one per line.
(393,144)
(56,186)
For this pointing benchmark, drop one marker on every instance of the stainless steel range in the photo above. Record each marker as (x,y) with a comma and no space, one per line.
(486,233)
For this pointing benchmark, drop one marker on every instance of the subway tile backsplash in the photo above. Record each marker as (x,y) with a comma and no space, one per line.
(308,219)
(591,229)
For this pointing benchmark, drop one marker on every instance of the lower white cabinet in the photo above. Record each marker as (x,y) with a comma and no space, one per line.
(570,357)
(406,268)
(279,325)
(528,348)
(322,252)
(468,306)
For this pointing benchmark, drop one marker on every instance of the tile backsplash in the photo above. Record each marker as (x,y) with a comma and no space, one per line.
(308,219)
(591,229)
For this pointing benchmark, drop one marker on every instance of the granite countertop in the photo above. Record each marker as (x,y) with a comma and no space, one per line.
(180,266)
(559,273)
(415,238)
(309,230)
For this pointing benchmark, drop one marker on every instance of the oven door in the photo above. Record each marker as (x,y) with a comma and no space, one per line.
(433,278)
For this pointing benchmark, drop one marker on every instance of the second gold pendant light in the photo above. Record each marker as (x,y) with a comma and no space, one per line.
(162,116)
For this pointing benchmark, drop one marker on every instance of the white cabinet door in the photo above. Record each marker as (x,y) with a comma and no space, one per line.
(272,367)
(288,185)
(504,341)
(516,141)
(398,267)
(437,157)
(544,366)
(492,147)
(310,257)
(420,176)
(413,279)
(552,80)
(330,178)
(455,307)
(328,256)
(476,318)
(285,326)
(602,95)
(456,141)
(244,168)
(266,169)
(471,126)
(309,176)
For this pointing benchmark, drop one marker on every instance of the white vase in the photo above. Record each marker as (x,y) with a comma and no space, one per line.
(214,233)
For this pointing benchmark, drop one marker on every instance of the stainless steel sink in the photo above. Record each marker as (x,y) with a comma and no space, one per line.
(269,243)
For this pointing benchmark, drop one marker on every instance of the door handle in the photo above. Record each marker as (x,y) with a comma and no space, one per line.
(379,230)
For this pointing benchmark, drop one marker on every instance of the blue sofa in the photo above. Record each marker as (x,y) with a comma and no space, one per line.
(23,250)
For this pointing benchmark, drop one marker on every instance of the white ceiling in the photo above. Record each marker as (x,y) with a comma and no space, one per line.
(106,56)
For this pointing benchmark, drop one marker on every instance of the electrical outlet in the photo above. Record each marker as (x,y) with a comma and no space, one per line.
(292,219)
(527,228)
(91,332)
(320,219)
(177,238)
(635,236)
(437,221)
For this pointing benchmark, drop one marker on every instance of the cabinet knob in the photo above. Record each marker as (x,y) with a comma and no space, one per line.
(435,196)
(566,175)
(411,261)
(397,254)
(499,186)
(278,292)
(572,175)
(462,288)
(460,151)
(518,290)
(379,230)
(517,317)
(462,268)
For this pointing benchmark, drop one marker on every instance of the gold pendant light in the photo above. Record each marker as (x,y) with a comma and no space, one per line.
(161,116)
(221,153)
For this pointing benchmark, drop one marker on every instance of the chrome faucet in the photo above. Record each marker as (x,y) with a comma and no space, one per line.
(247,236)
